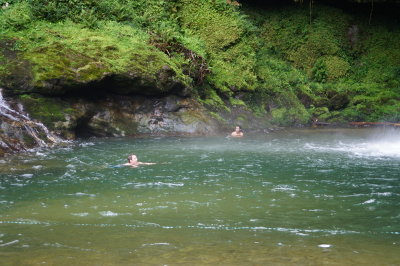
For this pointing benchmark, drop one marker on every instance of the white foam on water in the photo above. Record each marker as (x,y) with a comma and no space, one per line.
(384,144)
(369,201)
(80,194)
(383,194)
(157,184)
(112,214)
(302,234)
(283,188)
(156,244)
(313,210)
(86,144)
(324,245)
(27,175)
(108,213)
(82,214)
(17,185)
(377,149)
(9,243)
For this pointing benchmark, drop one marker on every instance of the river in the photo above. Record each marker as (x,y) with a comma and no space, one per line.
(293,197)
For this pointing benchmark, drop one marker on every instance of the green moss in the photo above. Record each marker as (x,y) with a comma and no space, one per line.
(212,22)
(193,116)
(3,67)
(213,101)
(125,125)
(46,110)
(290,116)
(69,52)
(217,117)
(237,102)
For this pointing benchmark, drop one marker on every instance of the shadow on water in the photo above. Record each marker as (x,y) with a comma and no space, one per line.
(291,197)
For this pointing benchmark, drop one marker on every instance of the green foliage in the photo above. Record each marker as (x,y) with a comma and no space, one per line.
(382,105)
(336,67)
(56,10)
(218,25)
(18,16)
(234,68)
(193,43)
(328,68)
(212,100)
(237,102)
(380,62)
(289,34)
(320,71)
(3,67)
(290,116)
(79,54)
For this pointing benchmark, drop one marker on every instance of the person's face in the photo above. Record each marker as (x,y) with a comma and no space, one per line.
(237,129)
(133,159)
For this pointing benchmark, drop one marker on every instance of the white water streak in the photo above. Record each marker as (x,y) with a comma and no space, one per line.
(379,146)
(32,128)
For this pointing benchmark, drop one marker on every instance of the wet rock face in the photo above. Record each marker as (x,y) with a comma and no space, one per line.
(108,116)
(127,116)
(118,115)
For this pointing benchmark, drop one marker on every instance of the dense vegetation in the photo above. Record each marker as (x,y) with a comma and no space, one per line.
(275,61)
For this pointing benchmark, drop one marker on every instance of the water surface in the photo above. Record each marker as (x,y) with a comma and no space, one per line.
(295,197)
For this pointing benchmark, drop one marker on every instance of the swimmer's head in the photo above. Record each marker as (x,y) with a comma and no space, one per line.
(238,129)
(132,157)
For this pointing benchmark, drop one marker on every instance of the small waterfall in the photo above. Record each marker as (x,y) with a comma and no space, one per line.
(19,119)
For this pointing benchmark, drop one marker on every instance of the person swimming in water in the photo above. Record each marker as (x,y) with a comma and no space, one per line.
(134,162)
(238,133)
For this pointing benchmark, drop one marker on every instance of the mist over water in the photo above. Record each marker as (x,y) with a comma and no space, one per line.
(378,143)
(292,197)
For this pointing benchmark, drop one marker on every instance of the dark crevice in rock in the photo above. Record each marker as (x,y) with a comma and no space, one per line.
(82,129)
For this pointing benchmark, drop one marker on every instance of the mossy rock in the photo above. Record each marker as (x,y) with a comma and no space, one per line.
(213,101)
(48,110)
(218,117)
(66,57)
(193,116)
(15,71)
(58,69)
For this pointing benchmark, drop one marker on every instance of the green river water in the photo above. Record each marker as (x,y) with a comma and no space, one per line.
(294,197)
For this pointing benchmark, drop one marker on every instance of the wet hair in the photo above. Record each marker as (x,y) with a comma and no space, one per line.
(240,128)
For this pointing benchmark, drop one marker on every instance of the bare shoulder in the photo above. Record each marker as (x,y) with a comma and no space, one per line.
(237,135)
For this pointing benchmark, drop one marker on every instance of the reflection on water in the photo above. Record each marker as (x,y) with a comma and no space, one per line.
(304,197)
